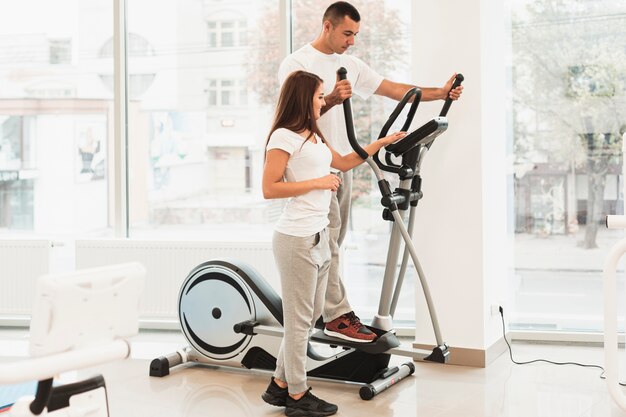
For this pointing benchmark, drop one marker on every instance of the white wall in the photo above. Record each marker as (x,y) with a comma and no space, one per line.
(462,220)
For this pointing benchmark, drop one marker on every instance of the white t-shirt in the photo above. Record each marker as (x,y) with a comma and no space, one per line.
(365,81)
(306,214)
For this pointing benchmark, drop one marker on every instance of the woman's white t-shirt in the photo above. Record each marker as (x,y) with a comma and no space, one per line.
(306,214)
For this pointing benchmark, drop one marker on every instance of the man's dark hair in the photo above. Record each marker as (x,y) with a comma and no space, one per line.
(338,10)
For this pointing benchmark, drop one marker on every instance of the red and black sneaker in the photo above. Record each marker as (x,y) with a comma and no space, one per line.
(349,327)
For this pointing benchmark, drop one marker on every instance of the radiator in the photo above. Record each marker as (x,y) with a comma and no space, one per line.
(168,263)
(21,263)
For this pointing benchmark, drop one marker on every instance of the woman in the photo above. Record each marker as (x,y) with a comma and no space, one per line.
(297,166)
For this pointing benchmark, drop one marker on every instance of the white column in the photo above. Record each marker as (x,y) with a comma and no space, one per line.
(462,234)
(120,119)
(284,25)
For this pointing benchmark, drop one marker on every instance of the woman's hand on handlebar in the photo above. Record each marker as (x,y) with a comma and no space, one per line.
(394,137)
(345,163)
(329,182)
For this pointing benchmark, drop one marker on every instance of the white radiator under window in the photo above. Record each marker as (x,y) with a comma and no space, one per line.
(21,263)
(168,263)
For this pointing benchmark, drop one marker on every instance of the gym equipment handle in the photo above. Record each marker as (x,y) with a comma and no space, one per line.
(347,111)
(446,106)
(390,166)
(415,91)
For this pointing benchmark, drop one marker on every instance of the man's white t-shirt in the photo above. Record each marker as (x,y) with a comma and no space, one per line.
(306,214)
(364,82)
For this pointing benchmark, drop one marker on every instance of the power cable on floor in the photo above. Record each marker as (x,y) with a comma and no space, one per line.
(545,360)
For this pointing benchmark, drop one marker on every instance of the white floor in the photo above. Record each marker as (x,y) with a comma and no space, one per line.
(503,389)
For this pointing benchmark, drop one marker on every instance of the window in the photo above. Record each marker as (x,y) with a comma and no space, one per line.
(197,149)
(227,93)
(141,74)
(60,51)
(11,143)
(227,33)
(16,202)
(569,107)
(54,122)
(137,46)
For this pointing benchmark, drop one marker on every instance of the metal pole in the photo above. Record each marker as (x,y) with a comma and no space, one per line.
(422,277)
(405,262)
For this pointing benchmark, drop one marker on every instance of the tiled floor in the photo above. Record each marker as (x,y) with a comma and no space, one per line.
(502,389)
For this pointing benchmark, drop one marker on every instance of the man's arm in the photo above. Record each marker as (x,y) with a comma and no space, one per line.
(396,90)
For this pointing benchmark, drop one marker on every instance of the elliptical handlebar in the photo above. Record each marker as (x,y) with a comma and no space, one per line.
(415,91)
(342,73)
(347,111)
(446,106)
(424,135)
(420,136)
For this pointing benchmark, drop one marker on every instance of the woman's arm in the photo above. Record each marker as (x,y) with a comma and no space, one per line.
(347,162)
(274,171)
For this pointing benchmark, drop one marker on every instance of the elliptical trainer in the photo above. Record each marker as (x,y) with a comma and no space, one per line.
(231,316)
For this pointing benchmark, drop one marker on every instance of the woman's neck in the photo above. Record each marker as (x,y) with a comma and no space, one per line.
(306,133)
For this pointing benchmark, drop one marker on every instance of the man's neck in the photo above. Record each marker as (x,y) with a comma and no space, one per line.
(321,46)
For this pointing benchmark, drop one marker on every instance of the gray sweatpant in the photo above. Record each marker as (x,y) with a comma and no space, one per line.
(336,302)
(303,264)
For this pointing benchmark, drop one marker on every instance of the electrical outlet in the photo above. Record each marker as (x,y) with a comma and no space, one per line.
(495,310)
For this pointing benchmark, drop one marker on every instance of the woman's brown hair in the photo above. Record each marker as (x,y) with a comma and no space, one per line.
(294,110)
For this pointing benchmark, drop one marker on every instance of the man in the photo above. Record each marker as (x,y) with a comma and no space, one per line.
(323,57)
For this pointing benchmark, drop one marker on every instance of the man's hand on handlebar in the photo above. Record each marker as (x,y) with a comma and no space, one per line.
(342,91)
(453,94)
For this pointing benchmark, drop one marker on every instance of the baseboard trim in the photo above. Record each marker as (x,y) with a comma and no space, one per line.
(477,358)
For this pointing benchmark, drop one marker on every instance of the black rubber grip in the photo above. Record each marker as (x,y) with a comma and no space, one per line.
(347,112)
(446,106)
